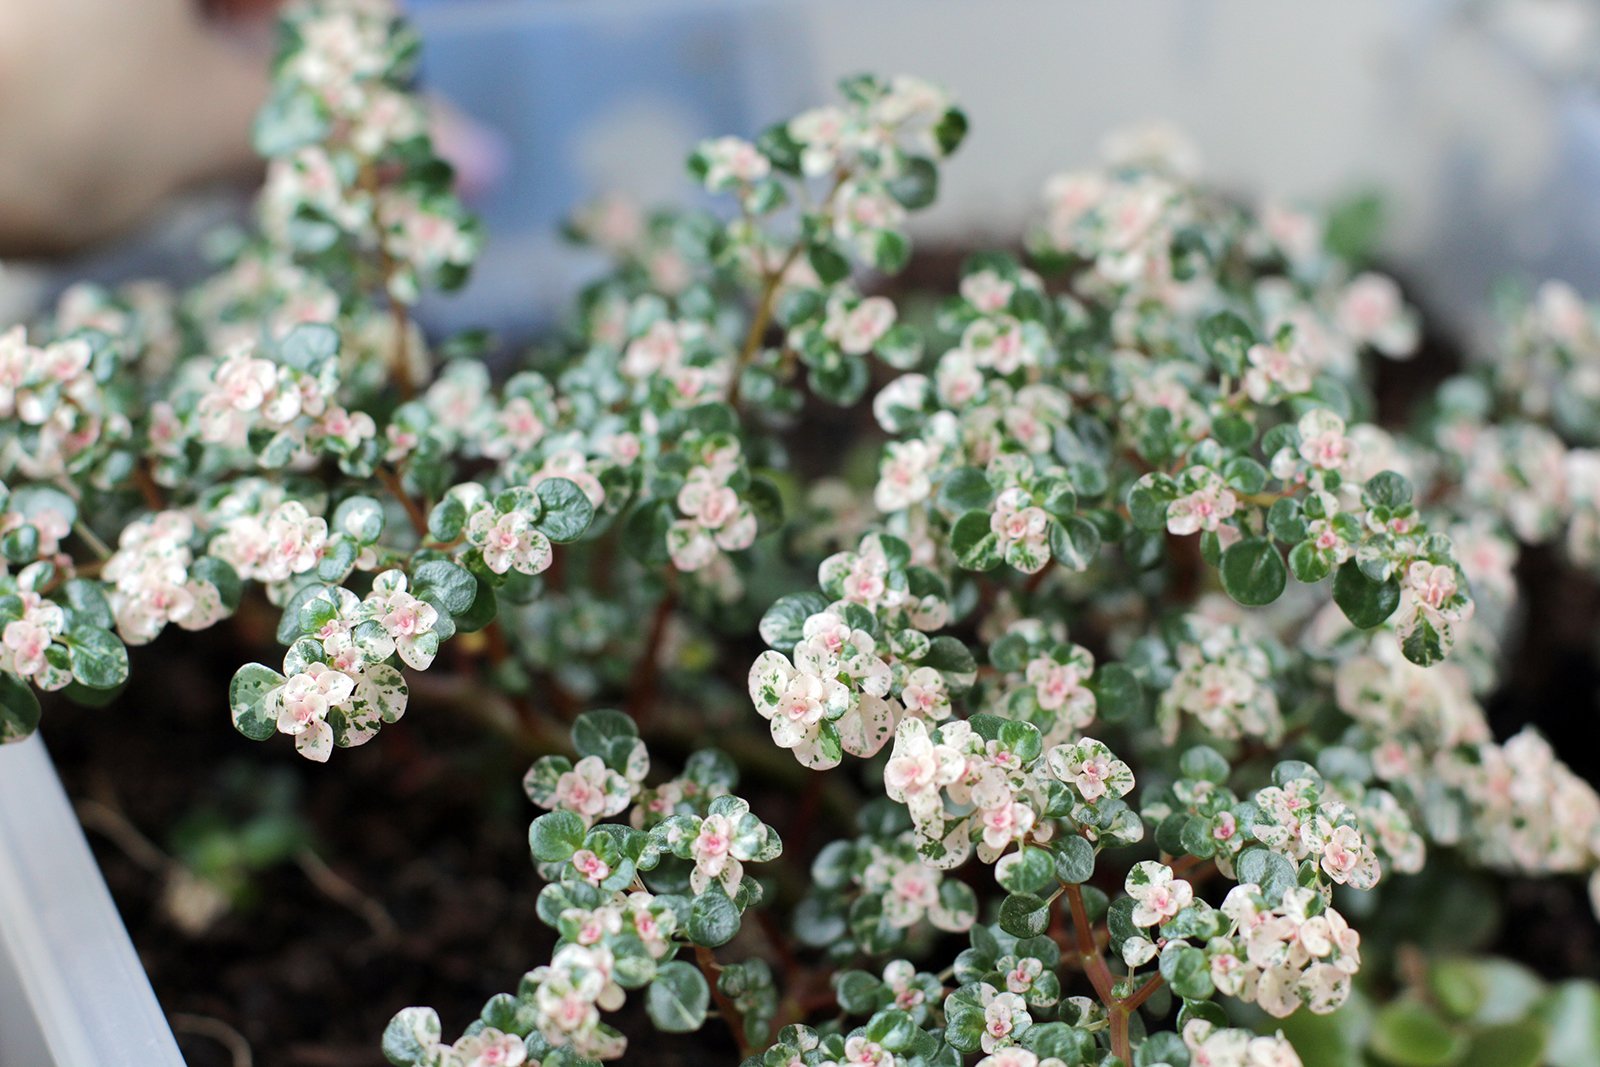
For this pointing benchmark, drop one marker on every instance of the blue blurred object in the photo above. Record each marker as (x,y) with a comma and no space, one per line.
(589,98)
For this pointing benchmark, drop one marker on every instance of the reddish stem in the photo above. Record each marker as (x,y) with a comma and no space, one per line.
(391,482)
(642,686)
(725,1007)
(153,497)
(1144,992)
(1094,965)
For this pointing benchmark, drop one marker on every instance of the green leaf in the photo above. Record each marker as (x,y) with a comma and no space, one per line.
(917,184)
(359,517)
(1074,859)
(858,992)
(485,606)
(1196,839)
(19,709)
(1573,1015)
(950,131)
(1387,489)
(1187,971)
(289,623)
(99,660)
(88,601)
(1365,603)
(781,626)
(677,999)
(309,345)
(890,251)
(446,519)
(831,267)
(567,511)
(1423,644)
(410,1036)
(713,918)
(1505,991)
(766,502)
(798,305)
(1024,915)
(1252,572)
(1333,1040)
(893,1029)
(1169,833)
(594,732)
(1119,696)
(555,836)
(247,695)
(841,381)
(1119,921)
(289,120)
(1267,869)
(1408,1033)
(32,502)
(20,545)
(1308,563)
(1161,1049)
(951,657)
(966,489)
(644,534)
(223,578)
(1204,763)
(1355,225)
(338,560)
(1512,1045)
(1245,474)
(1030,871)
(451,584)
(1227,338)
(973,543)
(1074,542)
(1286,520)
(1147,506)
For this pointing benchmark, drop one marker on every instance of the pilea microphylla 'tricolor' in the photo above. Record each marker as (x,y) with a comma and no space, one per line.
(1134,799)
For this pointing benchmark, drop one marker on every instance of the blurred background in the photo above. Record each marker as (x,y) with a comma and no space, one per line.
(1478,122)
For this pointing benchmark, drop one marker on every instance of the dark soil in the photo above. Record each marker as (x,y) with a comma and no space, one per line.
(429,821)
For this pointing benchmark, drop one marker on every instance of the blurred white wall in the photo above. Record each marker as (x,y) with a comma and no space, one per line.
(1297,100)
(1490,166)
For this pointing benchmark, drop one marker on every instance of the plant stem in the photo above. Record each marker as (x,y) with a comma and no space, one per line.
(218,1031)
(153,498)
(758,324)
(400,359)
(340,890)
(1121,1046)
(642,686)
(1144,992)
(1094,965)
(770,283)
(391,482)
(725,1007)
(1120,1009)
(91,539)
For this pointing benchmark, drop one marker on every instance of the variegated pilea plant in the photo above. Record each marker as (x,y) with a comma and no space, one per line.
(1151,652)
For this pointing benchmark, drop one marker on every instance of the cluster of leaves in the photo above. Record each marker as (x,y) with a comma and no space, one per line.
(629,900)
(1094,463)
(1467,1010)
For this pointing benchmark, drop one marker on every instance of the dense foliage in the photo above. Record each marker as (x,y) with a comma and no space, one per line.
(1157,656)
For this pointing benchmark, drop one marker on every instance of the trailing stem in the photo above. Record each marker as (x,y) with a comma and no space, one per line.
(731,1015)
(1118,1009)
(642,686)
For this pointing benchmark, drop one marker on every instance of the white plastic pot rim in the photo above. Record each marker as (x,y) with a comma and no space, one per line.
(72,991)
